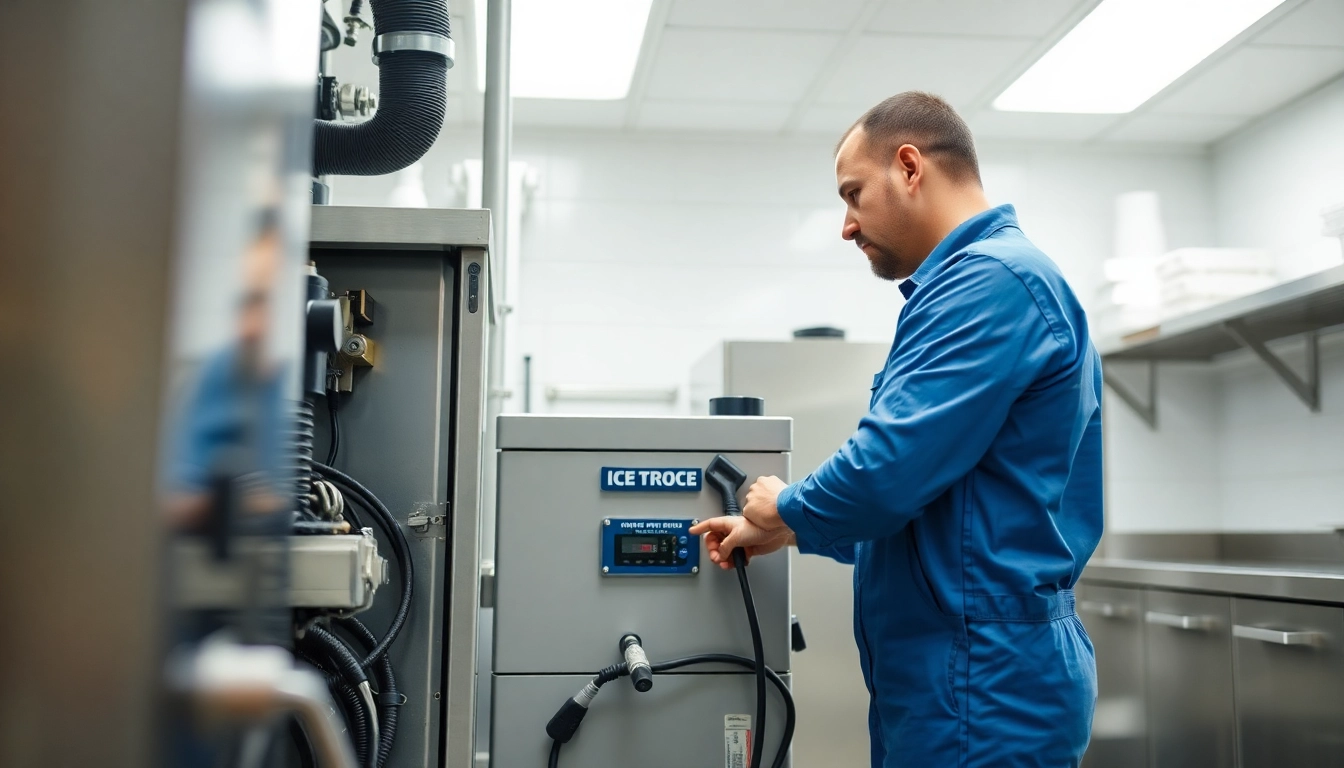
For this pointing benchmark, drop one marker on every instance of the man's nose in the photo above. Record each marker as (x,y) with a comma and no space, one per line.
(850,229)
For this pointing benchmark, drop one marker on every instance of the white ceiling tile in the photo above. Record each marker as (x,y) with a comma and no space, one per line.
(805,15)
(958,69)
(733,65)
(569,113)
(1253,80)
(1316,22)
(712,116)
(1031,18)
(832,120)
(993,124)
(1194,129)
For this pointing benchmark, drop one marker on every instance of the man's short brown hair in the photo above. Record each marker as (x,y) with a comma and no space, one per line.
(927,122)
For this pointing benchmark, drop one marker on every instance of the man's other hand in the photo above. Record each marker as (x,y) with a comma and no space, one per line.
(722,535)
(760,508)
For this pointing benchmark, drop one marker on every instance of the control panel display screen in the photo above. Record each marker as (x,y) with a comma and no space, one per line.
(649,546)
(643,549)
(631,545)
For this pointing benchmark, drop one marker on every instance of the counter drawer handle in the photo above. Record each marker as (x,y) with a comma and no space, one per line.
(1177,621)
(1277,636)
(1106,610)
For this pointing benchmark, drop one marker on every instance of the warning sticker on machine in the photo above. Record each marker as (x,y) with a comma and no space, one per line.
(736,741)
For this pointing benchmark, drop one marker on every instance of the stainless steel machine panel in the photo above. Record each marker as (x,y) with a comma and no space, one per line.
(1289,673)
(555,611)
(1188,643)
(626,728)
(1113,617)
(410,431)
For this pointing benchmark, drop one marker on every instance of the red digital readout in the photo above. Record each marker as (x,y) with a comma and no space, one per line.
(647,548)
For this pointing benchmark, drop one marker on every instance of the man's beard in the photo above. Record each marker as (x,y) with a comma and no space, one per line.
(884,264)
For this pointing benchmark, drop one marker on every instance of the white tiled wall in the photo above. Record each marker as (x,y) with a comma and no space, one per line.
(640,253)
(1236,450)
(1281,465)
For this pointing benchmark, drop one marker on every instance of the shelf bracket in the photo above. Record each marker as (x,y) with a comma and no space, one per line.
(1145,407)
(1307,388)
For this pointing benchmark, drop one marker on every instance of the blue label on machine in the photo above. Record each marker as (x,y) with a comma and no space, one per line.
(646,546)
(675,479)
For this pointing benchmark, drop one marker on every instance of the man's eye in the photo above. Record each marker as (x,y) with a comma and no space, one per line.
(854,196)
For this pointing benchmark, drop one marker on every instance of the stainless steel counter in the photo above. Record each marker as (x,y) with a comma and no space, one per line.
(1296,581)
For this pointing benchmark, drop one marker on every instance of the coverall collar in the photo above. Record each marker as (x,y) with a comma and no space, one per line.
(976,228)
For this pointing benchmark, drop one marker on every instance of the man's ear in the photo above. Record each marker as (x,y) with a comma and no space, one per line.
(907,166)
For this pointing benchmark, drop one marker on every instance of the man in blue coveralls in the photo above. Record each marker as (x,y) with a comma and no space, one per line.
(969,498)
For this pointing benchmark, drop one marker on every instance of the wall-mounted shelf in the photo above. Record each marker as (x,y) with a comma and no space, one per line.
(1301,307)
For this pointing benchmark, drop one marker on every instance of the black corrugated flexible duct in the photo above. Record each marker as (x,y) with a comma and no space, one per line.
(412,97)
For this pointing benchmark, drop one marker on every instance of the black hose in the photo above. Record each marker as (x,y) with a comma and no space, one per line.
(353,704)
(358,714)
(389,696)
(790,711)
(335,422)
(401,548)
(758,650)
(412,98)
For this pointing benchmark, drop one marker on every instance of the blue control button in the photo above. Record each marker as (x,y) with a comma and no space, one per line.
(682,554)
(681,540)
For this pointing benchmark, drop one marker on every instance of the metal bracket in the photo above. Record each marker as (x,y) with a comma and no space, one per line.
(1145,407)
(1307,388)
(429,520)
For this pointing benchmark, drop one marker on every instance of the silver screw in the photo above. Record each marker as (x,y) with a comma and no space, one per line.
(694,569)
(694,522)
(605,569)
(607,521)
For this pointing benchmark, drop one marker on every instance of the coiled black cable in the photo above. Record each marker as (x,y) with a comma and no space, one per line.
(335,423)
(354,490)
(357,714)
(389,697)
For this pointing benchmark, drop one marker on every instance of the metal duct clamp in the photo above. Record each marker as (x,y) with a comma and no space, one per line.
(429,42)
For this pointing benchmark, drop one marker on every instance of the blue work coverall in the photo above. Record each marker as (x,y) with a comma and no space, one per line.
(969,501)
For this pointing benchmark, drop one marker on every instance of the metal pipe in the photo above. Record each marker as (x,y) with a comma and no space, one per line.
(495,196)
(495,188)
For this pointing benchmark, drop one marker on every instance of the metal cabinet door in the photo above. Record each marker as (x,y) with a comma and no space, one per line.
(1289,677)
(1188,648)
(1113,617)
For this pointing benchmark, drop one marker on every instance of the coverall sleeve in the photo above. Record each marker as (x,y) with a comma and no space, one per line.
(970,343)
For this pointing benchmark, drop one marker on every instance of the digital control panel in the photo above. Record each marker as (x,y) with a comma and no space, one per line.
(649,547)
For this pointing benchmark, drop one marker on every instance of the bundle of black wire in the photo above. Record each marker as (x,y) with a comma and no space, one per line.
(790,714)
(373,727)
(401,549)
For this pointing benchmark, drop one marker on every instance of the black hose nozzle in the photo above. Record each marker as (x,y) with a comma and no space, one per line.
(726,477)
(641,674)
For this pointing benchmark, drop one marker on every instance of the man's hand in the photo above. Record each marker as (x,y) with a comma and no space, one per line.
(759,531)
(724,534)
(761,509)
